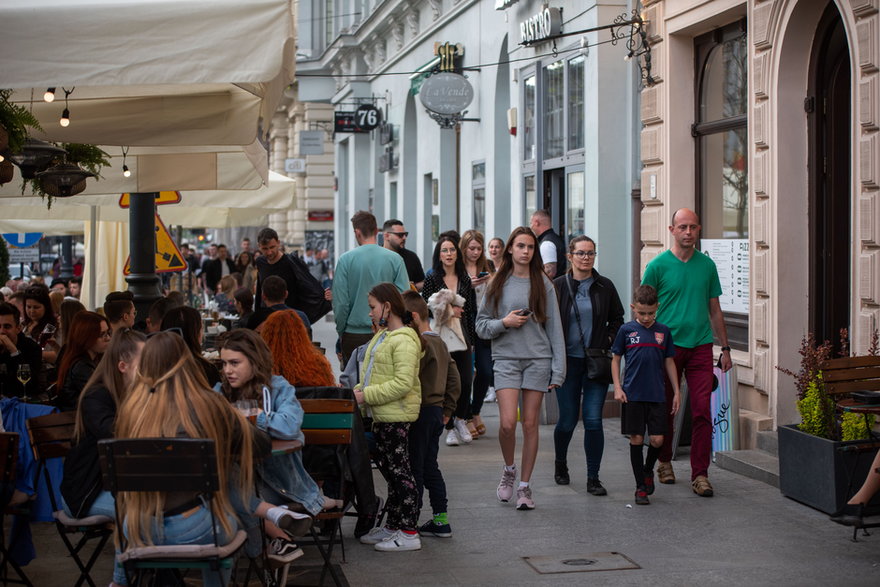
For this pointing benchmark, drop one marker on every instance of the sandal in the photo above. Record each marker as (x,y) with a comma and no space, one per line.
(475,432)
(481,429)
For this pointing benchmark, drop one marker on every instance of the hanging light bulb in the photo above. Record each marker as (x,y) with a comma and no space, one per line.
(126,172)
(49,96)
(628,57)
(65,115)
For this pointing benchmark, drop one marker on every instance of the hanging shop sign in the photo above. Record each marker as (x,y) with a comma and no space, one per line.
(543,25)
(386,133)
(364,119)
(294,165)
(387,160)
(23,247)
(446,93)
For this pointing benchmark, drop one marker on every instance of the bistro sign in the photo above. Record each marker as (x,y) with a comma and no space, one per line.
(543,25)
(446,93)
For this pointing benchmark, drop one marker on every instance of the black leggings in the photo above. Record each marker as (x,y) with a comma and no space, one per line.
(465,363)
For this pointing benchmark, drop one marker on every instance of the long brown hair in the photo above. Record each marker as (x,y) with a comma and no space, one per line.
(169,399)
(466,239)
(537,291)
(85,328)
(69,309)
(124,346)
(294,356)
(248,343)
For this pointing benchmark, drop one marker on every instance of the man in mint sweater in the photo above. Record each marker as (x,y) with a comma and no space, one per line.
(357,272)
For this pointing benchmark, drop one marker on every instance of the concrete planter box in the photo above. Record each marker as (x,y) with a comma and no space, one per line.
(816,471)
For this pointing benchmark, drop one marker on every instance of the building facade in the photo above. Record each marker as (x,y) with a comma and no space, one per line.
(765,120)
(550,125)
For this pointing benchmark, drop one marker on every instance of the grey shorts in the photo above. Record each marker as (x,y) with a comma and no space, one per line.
(522,374)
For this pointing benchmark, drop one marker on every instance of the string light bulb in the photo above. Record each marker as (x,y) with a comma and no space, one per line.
(65,115)
(49,96)
(126,172)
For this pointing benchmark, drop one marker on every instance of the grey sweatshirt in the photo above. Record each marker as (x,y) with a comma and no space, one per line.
(531,340)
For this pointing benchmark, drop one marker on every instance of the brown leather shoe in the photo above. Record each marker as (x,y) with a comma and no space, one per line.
(665,474)
(702,487)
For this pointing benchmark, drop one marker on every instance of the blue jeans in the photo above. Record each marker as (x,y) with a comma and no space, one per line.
(580,397)
(103,505)
(186,528)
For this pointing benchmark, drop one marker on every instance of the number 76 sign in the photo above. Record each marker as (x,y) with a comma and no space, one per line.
(363,120)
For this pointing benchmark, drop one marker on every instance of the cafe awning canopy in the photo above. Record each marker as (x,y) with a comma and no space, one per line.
(153,73)
(197,209)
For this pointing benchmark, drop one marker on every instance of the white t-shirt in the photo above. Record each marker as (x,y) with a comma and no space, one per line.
(548,252)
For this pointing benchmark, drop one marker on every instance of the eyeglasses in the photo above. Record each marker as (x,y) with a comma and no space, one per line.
(446,251)
(582,254)
(399,234)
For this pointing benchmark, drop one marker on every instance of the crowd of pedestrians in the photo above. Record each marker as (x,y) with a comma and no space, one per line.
(510,320)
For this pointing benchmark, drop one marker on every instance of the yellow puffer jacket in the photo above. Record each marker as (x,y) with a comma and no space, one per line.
(394,393)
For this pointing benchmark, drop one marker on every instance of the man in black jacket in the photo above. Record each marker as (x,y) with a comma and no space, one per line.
(552,246)
(215,269)
(17,349)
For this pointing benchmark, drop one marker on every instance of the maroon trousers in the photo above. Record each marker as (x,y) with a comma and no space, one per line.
(696,363)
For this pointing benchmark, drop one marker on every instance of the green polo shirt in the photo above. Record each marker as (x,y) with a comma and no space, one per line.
(684,291)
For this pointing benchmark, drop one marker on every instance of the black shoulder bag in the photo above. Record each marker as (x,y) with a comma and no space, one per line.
(598,361)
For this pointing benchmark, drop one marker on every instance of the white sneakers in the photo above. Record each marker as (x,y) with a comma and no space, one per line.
(400,542)
(452,438)
(463,433)
(385,540)
(490,395)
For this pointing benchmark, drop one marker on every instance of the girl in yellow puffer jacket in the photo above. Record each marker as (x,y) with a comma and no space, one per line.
(390,387)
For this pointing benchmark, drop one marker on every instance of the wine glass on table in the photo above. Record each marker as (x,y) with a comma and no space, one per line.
(24,376)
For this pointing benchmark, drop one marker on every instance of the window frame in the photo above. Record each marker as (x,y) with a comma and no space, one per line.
(737,324)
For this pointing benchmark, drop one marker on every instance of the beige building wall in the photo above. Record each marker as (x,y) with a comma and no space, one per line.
(780,40)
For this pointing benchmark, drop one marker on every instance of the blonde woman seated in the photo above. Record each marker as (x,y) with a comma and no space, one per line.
(170,398)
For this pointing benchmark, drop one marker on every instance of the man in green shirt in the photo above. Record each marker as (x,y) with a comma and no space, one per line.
(357,272)
(688,288)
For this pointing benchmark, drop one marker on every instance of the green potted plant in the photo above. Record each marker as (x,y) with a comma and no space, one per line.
(814,466)
(14,123)
(88,157)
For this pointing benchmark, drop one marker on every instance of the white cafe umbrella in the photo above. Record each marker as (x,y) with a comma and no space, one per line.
(151,74)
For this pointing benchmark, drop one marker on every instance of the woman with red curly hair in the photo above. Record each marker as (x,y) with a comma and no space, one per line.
(294,356)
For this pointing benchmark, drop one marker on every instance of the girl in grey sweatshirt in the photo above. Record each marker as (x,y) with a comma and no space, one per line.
(520,315)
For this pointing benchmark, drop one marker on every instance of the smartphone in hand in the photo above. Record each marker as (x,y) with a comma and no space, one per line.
(524,312)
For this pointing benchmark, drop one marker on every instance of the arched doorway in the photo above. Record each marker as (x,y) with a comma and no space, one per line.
(830,157)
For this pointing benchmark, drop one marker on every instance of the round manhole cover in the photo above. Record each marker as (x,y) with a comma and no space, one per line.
(579,562)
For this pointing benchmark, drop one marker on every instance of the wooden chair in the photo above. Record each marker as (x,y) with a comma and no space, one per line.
(51,437)
(163,464)
(842,377)
(329,422)
(8,460)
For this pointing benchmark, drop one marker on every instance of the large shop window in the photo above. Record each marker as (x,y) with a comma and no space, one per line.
(478,187)
(529,131)
(721,148)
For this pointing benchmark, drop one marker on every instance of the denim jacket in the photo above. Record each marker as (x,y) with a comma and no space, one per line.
(283,478)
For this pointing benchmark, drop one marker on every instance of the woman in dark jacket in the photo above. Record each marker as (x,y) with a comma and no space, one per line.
(189,325)
(95,417)
(86,343)
(449,273)
(591,315)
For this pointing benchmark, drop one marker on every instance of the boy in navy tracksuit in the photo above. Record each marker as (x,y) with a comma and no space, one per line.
(647,346)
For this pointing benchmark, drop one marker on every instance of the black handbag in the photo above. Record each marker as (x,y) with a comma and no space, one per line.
(597,361)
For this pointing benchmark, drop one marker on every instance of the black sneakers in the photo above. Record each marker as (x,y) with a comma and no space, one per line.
(594,487)
(561,475)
